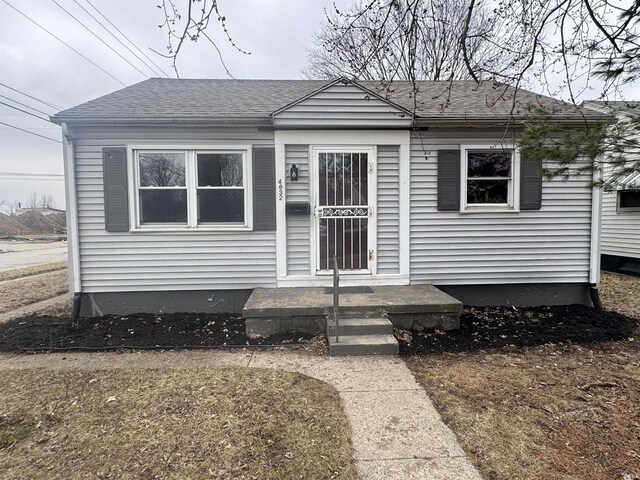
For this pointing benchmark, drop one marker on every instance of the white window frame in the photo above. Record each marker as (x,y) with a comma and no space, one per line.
(191,181)
(513,203)
(620,209)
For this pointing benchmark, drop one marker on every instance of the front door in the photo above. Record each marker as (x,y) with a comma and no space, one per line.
(345,217)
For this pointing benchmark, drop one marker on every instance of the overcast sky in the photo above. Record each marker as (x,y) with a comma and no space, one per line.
(276,32)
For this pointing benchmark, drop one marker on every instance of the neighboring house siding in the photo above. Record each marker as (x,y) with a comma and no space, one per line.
(298,226)
(620,230)
(449,248)
(342,106)
(139,261)
(388,209)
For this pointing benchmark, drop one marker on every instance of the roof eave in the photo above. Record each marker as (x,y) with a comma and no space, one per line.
(163,121)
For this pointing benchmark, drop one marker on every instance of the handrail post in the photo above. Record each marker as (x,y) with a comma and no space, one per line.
(336,294)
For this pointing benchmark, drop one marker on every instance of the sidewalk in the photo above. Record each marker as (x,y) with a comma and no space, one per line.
(396,431)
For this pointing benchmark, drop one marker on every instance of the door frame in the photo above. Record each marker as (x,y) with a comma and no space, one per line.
(372,196)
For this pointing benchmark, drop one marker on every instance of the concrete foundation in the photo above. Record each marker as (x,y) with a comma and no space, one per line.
(421,321)
(520,294)
(126,303)
(265,327)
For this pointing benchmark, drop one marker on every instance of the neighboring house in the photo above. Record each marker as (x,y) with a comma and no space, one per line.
(183,194)
(621,202)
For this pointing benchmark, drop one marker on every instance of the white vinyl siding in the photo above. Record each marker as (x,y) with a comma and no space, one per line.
(141,261)
(620,229)
(448,248)
(342,106)
(388,210)
(298,226)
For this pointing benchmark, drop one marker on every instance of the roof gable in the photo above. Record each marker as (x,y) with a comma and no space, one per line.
(342,103)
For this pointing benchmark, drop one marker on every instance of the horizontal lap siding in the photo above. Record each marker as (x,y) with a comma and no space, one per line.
(620,231)
(448,248)
(112,262)
(388,210)
(342,106)
(298,226)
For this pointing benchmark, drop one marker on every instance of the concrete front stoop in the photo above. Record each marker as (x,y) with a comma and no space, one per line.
(367,315)
(360,334)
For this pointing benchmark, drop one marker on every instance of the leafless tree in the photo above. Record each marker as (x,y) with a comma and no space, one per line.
(47,201)
(188,21)
(412,39)
(32,201)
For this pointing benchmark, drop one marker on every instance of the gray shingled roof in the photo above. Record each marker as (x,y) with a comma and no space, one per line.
(176,100)
(631,106)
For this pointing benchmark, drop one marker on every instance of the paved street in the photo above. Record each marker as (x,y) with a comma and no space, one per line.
(24,254)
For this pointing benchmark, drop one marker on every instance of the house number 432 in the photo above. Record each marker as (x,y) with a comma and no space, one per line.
(280,189)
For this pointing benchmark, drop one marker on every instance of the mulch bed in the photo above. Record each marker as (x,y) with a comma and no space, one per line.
(135,331)
(486,328)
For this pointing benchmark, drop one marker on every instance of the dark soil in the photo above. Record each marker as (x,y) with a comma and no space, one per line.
(134,331)
(486,328)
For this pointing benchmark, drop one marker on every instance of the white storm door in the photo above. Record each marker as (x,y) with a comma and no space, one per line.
(344,210)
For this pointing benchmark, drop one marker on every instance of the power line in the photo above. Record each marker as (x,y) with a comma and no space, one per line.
(32,133)
(130,41)
(24,111)
(117,39)
(100,38)
(24,105)
(52,105)
(65,43)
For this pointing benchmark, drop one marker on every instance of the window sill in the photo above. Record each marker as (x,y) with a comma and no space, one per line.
(483,209)
(185,229)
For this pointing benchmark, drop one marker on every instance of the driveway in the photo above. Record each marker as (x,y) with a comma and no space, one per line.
(15,254)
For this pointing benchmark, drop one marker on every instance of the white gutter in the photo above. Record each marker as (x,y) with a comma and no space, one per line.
(596,227)
(73,248)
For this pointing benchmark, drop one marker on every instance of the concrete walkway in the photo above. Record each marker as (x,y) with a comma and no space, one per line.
(396,431)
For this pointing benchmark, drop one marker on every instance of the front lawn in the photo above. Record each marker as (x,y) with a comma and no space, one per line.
(173,424)
(549,400)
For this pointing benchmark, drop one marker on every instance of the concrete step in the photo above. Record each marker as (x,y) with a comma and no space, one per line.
(363,345)
(360,326)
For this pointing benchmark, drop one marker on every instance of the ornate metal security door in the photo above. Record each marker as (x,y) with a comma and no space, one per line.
(344,213)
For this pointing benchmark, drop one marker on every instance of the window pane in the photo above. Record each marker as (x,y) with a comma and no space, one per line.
(342,178)
(489,164)
(221,206)
(487,191)
(161,169)
(219,169)
(163,206)
(629,199)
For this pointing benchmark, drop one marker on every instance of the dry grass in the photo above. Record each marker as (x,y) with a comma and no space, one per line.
(552,412)
(621,293)
(28,290)
(206,423)
(33,270)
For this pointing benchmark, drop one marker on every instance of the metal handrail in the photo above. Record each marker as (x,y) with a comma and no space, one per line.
(336,295)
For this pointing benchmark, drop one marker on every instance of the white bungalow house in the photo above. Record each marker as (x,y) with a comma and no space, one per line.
(621,203)
(189,194)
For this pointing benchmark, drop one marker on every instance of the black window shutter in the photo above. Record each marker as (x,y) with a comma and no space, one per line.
(264,189)
(530,184)
(116,195)
(449,180)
